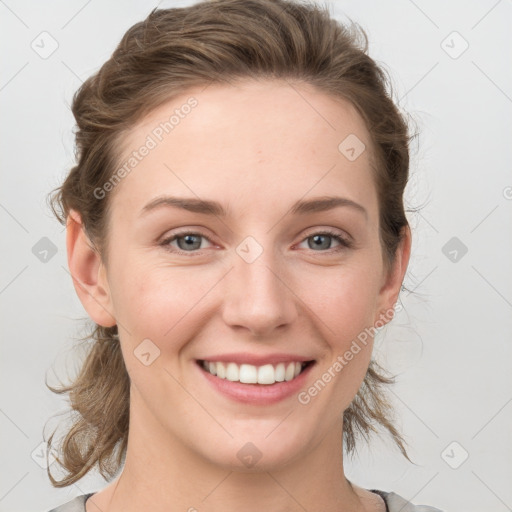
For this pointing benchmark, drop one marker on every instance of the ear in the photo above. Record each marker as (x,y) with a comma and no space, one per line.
(88,273)
(394,276)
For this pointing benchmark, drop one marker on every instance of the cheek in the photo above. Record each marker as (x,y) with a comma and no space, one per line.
(157,307)
(345,305)
(344,299)
(156,300)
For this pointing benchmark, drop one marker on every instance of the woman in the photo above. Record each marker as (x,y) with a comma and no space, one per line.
(236,231)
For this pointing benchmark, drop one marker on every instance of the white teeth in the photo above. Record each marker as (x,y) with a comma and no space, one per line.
(221,370)
(250,374)
(232,372)
(266,374)
(290,372)
(280,372)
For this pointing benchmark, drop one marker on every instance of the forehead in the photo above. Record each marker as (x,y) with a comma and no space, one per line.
(254,140)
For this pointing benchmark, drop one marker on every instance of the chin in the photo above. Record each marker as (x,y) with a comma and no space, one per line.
(258,456)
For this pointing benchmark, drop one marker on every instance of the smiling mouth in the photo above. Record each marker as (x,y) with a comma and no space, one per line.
(267,374)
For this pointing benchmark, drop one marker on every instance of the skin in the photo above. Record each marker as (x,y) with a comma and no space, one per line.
(256,147)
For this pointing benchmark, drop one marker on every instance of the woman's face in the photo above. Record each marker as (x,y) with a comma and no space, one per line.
(262,278)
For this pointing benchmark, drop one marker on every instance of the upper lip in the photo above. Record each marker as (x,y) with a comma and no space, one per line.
(256,360)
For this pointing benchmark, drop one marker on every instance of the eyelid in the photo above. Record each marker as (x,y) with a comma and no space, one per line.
(344,239)
(329,231)
(166,240)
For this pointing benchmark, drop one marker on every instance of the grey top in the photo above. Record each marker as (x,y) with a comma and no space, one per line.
(394,503)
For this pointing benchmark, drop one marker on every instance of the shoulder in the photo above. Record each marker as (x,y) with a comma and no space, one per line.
(75,505)
(396,503)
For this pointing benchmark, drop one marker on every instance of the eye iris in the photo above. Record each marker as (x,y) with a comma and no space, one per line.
(190,240)
(318,241)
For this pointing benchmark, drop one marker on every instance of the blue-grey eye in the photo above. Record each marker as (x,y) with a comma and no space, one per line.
(190,242)
(320,242)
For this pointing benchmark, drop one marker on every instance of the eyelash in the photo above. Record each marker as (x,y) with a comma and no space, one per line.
(344,242)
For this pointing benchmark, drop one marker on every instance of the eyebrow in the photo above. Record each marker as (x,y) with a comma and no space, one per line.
(206,207)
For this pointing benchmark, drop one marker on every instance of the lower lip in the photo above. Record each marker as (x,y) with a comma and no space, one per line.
(258,394)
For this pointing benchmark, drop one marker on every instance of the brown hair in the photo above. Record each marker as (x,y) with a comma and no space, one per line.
(169,52)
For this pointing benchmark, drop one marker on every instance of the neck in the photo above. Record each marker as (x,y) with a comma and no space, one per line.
(161,473)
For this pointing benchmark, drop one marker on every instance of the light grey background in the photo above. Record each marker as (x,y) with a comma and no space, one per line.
(452,347)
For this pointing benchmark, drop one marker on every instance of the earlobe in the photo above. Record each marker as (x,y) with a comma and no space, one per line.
(390,290)
(88,273)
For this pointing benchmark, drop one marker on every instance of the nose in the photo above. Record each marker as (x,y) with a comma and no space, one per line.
(258,295)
